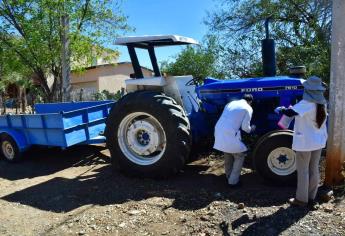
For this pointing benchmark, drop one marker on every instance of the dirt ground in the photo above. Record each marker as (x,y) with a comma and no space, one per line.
(76,192)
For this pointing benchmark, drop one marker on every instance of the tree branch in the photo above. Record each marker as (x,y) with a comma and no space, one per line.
(85,9)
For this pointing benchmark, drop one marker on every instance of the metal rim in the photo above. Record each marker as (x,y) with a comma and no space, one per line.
(141,138)
(8,150)
(282,161)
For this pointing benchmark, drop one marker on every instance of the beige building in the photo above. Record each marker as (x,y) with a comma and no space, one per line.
(110,77)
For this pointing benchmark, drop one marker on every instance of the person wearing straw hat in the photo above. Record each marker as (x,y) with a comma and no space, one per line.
(309,138)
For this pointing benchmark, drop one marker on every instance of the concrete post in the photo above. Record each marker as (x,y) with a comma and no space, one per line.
(336,140)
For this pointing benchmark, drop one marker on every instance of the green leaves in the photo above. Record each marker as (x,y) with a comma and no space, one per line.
(301,28)
(32,30)
(197,61)
(12,70)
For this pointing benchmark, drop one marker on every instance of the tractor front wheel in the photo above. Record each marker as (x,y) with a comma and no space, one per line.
(148,135)
(274,158)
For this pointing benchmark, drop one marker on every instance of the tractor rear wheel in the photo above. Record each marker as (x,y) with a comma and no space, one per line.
(274,158)
(148,135)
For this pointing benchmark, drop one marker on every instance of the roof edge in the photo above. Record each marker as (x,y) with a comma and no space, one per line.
(112,64)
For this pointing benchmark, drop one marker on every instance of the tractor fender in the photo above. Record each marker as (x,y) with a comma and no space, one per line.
(262,138)
(133,85)
(18,137)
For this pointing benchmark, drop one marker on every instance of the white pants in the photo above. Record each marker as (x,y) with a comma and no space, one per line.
(233,163)
(308,176)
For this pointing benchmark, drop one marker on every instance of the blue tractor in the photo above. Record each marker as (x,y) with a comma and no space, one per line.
(153,130)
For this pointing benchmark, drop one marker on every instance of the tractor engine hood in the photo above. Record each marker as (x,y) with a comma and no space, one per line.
(222,91)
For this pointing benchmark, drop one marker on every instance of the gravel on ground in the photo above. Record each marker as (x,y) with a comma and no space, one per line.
(77,192)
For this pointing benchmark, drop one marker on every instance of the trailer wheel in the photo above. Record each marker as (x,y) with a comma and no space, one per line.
(9,148)
(274,158)
(148,135)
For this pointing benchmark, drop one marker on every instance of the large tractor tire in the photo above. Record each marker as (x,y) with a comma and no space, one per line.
(274,158)
(148,135)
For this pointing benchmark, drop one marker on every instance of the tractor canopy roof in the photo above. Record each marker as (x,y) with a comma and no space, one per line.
(147,41)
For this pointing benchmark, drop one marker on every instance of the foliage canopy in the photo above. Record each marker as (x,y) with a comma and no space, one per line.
(33,30)
(199,61)
(302,29)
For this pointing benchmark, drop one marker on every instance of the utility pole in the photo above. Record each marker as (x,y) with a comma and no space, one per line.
(336,140)
(65,59)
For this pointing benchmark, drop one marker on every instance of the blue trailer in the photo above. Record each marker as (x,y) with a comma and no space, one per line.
(55,125)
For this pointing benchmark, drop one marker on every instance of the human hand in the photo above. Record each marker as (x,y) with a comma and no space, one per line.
(279,109)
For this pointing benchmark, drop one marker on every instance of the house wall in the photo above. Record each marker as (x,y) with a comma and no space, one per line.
(93,85)
(88,89)
(108,77)
(115,78)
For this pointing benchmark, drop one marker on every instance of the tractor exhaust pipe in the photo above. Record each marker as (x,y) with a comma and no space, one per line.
(268,53)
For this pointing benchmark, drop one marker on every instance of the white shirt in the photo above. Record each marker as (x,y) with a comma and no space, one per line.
(236,115)
(307,136)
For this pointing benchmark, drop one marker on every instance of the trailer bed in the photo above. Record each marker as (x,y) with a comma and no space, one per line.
(58,124)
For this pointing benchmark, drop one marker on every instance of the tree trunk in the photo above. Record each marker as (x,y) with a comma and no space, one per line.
(23,100)
(55,91)
(60,98)
(18,99)
(44,85)
(3,102)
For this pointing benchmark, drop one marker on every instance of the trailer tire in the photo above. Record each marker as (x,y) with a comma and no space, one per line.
(9,148)
(274,158)
(148,135)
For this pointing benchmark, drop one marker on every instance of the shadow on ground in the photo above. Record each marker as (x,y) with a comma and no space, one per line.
(192,189)
(272,224)
(40,161)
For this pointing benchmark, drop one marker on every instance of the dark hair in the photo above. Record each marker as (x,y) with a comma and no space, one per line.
(248,97)
(320,114)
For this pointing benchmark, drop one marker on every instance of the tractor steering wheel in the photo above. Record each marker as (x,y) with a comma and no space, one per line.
(194,81)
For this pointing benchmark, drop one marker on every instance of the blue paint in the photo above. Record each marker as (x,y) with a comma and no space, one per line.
(146,136)
(282,159)
(58,124)
(66,106)
(67,124)
(18,136)
(268,93)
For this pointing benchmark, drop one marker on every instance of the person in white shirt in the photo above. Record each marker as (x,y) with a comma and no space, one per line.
(236,115)
(309,138)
